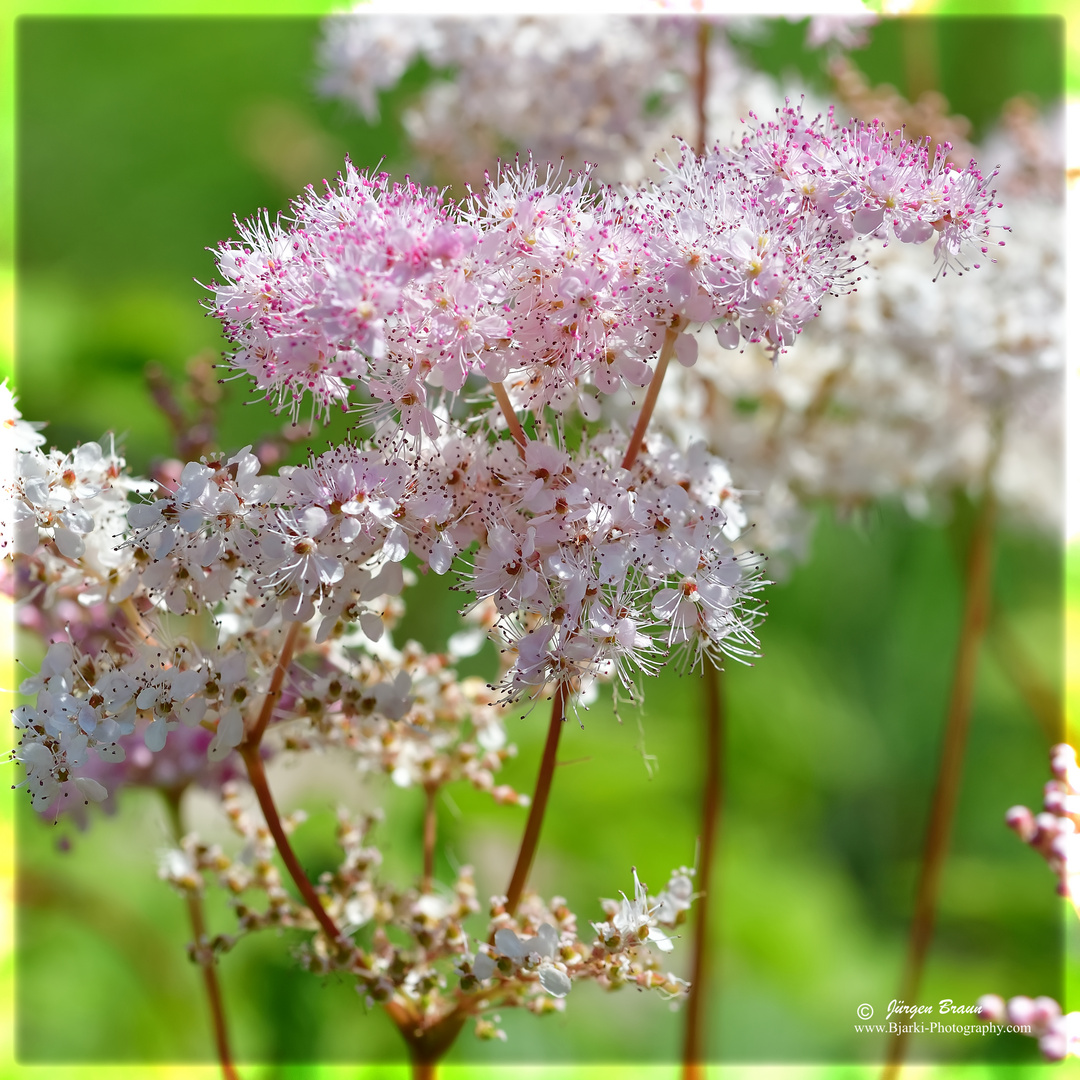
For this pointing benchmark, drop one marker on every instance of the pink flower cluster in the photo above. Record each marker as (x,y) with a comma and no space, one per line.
(1053,833)
(873,181)
(554,285)
(308,306)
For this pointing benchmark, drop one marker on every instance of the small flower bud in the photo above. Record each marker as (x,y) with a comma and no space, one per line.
(1021,1011)
(1021,821)
(992,1007)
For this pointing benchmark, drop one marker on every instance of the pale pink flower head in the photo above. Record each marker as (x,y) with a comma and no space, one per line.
(309,299)
(564,257)
(732,243)
(872,181)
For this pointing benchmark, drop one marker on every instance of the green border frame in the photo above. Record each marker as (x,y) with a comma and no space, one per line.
(10,10)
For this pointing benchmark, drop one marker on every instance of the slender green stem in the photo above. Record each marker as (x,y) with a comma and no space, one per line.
(531,837)
(712,797)
(951,766)
(638,436)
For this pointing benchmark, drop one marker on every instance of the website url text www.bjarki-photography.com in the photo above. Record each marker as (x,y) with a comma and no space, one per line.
(943,1018)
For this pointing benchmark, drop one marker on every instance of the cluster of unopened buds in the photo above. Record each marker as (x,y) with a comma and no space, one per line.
(1041,1017)
(1052,833)
(531,959)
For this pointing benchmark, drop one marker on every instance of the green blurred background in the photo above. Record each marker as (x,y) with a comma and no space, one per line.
(138,140)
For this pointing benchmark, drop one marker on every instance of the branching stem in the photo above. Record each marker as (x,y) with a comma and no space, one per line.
(249,751)
(403,1018)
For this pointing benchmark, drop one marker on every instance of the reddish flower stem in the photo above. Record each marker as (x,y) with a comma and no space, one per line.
(951,766)
(638,436)
(277,680)
(694,1032)
(257,776)
(203,956)
(213,990)
(249,750)
(531,837)
(430,826)
(428,1044)
(512,422)
(701,85)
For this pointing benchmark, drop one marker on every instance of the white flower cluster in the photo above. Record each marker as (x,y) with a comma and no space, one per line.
(85,703)
(99,711)
(617,565)
(69,509)
(101,721)
(540,949)
(608,90)
(406,714)
(909,389)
